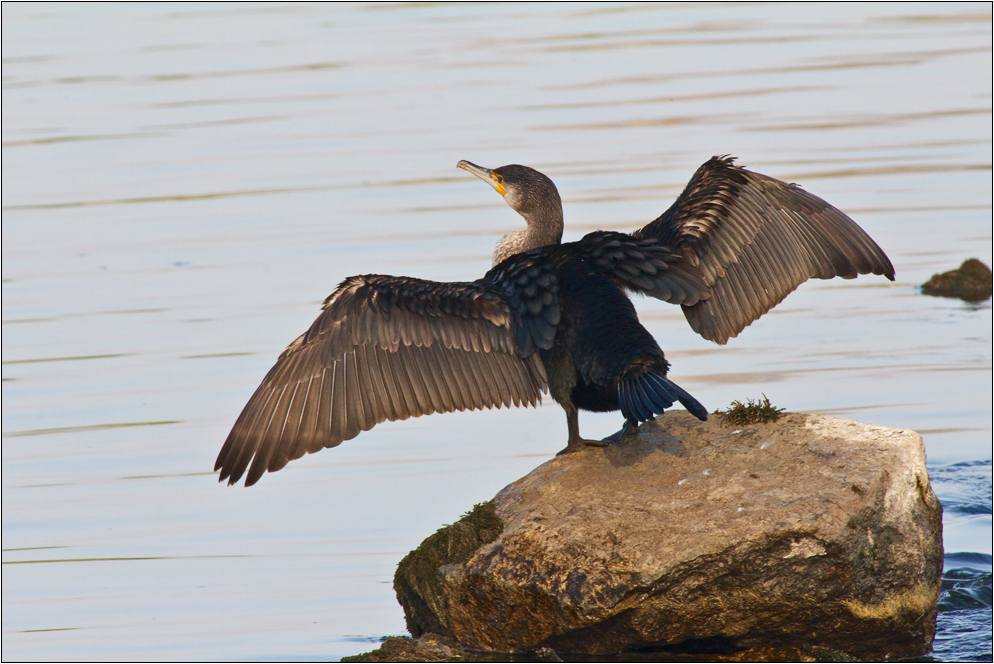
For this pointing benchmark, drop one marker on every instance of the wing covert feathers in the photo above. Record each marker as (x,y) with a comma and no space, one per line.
(529,284)
(383,348)
(642,265)
(755,239)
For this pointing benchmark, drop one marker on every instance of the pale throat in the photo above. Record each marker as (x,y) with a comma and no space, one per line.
(543,229)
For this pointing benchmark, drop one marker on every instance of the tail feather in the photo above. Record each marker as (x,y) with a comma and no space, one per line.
(648,395)
(647,400)
(659,403)
(624,400)
(693,406)
(631,403)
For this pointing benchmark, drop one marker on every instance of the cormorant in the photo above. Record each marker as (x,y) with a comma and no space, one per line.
(548,315)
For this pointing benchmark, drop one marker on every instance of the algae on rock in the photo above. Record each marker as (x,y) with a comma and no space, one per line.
(418,582)
(751,412)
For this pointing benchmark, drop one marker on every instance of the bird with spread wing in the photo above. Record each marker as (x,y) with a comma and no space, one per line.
(548,316)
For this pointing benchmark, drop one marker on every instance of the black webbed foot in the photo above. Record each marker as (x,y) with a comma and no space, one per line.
(580,443)
(577,444)
(618,436)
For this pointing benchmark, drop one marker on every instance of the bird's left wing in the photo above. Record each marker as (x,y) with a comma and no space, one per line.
(755,239)
(383,348)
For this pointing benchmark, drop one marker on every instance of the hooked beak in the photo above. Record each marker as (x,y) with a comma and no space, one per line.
(485,174)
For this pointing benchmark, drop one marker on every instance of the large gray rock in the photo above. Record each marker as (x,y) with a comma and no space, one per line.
(813,531)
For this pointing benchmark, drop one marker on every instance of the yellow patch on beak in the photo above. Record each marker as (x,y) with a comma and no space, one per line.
(498,183)
(493,179)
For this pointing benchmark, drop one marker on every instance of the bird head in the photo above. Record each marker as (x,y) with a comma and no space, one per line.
(529,193)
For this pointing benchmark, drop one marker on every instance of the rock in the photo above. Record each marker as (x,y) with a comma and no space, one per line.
(971,282)
(811,533)
(436,648)
(428,648)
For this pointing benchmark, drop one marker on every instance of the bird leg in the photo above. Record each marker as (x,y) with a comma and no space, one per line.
(575,443)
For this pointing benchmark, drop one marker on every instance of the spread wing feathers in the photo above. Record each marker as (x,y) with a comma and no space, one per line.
(643,265)
(383,348)
(755,239)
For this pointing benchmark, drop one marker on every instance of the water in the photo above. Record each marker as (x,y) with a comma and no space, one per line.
(183,185)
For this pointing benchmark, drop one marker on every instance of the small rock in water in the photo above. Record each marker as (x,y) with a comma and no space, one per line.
(428,648)
(971,282)
(811,533)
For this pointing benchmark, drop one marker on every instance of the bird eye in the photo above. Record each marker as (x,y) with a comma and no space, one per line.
(500,179)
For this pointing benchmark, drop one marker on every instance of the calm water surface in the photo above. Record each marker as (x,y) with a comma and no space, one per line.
(183,184)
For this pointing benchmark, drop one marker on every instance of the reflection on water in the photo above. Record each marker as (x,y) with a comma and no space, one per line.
(189,182)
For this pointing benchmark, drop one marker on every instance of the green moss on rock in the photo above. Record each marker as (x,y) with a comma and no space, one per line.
(417,581)
(751,412)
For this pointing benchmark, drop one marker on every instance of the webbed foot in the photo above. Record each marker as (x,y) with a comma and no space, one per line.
(580,443)
(617,436)
(576,443)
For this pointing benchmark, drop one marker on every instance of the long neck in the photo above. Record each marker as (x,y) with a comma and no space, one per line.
(545,227)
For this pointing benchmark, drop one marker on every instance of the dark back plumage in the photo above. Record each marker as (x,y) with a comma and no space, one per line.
(547,316)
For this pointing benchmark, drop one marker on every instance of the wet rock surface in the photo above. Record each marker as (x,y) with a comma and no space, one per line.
(813,532)
(972,282)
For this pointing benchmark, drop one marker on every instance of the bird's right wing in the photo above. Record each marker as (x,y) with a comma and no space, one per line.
(643,265)
(755,239)
(383,348)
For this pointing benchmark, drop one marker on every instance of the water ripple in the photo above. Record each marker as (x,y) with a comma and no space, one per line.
(90,427)
(964,488)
